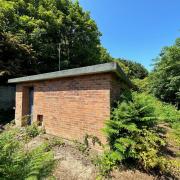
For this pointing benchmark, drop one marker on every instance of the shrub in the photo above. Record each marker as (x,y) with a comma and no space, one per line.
(166,112)
(40,162)
(142,85)
(170,166)
(131,130)
(169,115)
(33,131)
(16,162)
(107,162)
(133,133)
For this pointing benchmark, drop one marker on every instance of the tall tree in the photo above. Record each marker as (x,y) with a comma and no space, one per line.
(105,56)
(45,23)
(165,79)
(16,58)
(134,69)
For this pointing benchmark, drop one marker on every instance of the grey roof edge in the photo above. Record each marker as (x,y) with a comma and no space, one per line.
(95,69)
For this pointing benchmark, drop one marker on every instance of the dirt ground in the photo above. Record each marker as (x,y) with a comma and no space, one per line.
(72,164)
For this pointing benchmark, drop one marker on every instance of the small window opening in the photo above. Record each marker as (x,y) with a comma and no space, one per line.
(39,120)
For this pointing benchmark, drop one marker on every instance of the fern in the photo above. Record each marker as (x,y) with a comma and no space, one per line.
(16,162)
(131,131)
(133,134)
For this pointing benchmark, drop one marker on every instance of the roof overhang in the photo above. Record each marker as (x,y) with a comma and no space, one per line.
(95,69)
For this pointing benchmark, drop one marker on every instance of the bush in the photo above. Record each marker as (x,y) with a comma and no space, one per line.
(16,162)
(170,166)
(143,85)
(107,162)
(33,131)
(133,132)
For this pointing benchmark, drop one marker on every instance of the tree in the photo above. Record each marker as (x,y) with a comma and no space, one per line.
(45,23)
(165,79)
(135,70)
(105,56)
(16,58)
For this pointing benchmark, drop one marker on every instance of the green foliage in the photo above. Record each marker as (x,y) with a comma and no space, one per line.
(170,166)
(167,113)
(43,24)
(133,132)
(31,32)
(105,56)
(165,79)
(122,65)
(56,142)
(107,162)
(17,162)
(16,58)
(133,69)
(33,131)
(41,162)
(143,85)
(131,119)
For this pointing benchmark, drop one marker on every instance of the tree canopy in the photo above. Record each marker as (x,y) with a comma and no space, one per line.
(165,79)
(135,70)
(16,58)
(36,28)
(43,24)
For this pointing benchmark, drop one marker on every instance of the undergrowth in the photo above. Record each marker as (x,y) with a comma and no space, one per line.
(134,136)
(88,142)
(33,131)
(18,162)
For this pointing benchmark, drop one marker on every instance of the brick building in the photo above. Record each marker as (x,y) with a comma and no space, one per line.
(70,103)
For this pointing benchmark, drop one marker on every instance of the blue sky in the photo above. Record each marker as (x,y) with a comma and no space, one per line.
(136,29)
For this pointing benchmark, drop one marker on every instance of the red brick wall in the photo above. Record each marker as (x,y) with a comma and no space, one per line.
(71,107)
(117,88)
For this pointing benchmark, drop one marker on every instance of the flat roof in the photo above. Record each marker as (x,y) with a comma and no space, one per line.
(95,69)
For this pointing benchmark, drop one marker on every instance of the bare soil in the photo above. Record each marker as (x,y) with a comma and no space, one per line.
(73,164)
